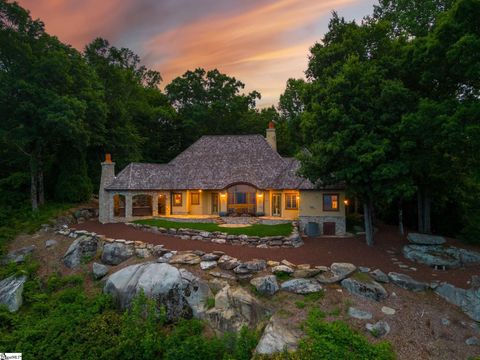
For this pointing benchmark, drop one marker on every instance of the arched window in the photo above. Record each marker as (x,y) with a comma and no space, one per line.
(241,199)
(119,205)
(142,205)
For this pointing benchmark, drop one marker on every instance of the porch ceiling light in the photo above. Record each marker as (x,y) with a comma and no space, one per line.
(223,195)
(260,194)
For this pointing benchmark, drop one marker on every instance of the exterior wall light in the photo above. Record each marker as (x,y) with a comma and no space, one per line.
(346,202)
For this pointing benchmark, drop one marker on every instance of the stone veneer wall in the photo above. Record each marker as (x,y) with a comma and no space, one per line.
(293,240)
(340,223)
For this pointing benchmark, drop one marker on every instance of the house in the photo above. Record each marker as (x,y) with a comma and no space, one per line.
(231,175)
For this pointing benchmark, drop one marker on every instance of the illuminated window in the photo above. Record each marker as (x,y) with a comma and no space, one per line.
(177,199)
(195,198)
(291,201)
(330,202)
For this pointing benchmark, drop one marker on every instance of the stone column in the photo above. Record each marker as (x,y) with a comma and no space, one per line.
(128,207)
(155,204)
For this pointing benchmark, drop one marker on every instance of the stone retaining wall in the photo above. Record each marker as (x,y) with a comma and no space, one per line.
(293,240)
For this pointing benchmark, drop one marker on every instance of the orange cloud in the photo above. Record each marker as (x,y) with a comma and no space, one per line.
(260,42)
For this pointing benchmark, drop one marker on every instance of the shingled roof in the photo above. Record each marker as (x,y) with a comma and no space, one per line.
(214,163)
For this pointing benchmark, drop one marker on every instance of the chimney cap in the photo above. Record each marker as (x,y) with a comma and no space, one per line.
(108,158)
(271,125)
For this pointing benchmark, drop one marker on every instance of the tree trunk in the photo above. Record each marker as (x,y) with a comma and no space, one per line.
(33,183)
(41,187)
(420,211)
(424,211)
(400,218)
(367,216)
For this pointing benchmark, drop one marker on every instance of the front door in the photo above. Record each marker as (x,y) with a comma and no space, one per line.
(276,204)
(215,203)
(161,204)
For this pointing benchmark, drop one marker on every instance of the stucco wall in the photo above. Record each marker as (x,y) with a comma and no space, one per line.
(311,203)
(181,210)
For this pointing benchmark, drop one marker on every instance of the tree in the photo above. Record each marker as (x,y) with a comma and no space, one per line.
(209,102)
(49,95)
(413,18)
(354,103)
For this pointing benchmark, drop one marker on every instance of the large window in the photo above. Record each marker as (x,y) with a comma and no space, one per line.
(291,201)
(330,202)
(177,199)
(241,199)
(142,205)
(194,198)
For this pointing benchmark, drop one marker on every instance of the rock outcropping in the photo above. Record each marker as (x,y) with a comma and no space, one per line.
(11,290)
(183,294)
(83,247)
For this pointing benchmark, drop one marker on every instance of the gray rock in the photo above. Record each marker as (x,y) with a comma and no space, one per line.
(226,262)
(51,243)
(445,322)
(222,275)
(388,310)
(380,276)
(367,289)
(467,300)
(282,269)
(116,253)
(406,282)
(235,308)
(185,259)
(181,293)
(277,338)
(301,286)
(159,250)
(143,253)
(359,314)
(439,256)
(207,265)
(364,269)
(266,285)
(99,270)
(210,257)
(472,341)
(83,247)
(11,290)
(18,256)
(338,272)
(379,329)
(306,273)
(343,269)
(250,267)
(425,239)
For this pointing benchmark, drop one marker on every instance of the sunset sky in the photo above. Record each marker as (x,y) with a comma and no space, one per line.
(260,42)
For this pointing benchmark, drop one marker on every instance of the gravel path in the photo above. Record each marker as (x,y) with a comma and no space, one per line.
(385,254)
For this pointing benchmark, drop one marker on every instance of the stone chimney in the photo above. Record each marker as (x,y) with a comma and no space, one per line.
(105,210)
(271,135)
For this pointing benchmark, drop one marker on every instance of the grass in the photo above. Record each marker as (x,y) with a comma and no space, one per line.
(210,303)
(283,276)
(24,220)
(253,230)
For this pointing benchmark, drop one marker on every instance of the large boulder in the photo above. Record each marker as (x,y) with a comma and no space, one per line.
(235,308)
(301,286)
(425,239)
(338,272)
(448,257)
(277,338)
(369,288)
(11,290)
(180,292)
(266,285)
(226,262)
(406,282)
(467,300)
(116,253)
(83,247)
(18,256)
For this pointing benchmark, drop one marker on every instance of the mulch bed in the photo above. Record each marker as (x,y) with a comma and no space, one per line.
(316,251)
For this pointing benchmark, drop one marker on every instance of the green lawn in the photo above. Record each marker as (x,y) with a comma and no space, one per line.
(253,230)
